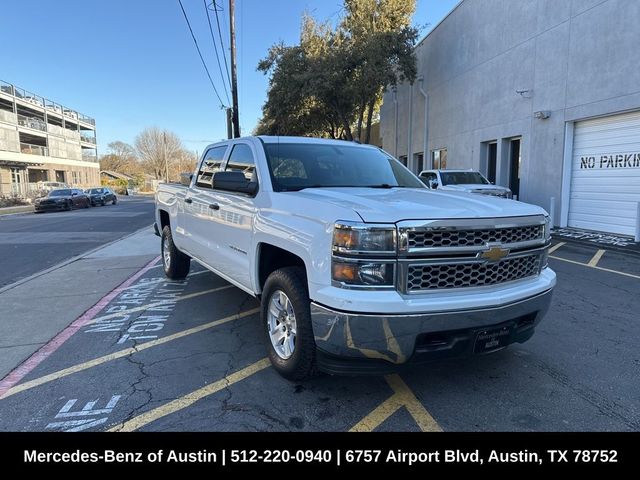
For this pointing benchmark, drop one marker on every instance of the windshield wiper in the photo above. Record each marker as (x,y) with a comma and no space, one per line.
(383,185)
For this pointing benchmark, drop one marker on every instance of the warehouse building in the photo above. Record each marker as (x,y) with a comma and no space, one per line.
(542,96)
(41,142)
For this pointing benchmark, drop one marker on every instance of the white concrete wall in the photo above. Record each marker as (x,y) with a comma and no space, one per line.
(576,58)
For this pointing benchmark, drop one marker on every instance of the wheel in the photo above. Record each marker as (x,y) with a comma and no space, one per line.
(286,318)
(88,204)
(102,203)
(115,200)
(176,264)
(69,205)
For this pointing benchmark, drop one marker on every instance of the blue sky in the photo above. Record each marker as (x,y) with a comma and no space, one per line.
(132,64)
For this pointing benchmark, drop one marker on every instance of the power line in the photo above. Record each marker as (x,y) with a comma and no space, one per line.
(200,53)
(224,55)
(215,48)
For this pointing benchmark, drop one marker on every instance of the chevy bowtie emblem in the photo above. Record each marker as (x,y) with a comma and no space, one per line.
(494,254)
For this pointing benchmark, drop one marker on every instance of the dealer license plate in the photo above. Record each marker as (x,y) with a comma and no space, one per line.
(492,339)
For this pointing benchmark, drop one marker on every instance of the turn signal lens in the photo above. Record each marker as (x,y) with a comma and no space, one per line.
(363,274)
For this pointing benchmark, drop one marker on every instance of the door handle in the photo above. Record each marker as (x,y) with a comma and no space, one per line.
(188,200)
(214,206)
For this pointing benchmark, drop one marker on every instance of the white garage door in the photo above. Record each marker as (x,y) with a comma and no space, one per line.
(605,180)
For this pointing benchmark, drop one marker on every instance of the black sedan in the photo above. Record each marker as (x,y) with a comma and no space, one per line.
(63,199)
(101,196)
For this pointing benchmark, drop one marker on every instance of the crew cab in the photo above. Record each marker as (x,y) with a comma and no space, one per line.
(358,266)
(462,181)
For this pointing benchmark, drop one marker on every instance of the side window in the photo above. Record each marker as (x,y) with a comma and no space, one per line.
(210,165)
(241,160)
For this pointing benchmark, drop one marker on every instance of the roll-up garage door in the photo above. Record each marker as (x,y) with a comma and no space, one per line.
(605,180)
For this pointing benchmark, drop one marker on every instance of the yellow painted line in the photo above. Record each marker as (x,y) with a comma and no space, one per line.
(424,420)
(402,397)
(186,401)
(142,308)
(556,246)
(122,353)
(378,415)
(596,258)
(596,267)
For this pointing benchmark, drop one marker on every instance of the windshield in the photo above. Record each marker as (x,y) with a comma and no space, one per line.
(463,178)
(60,193)
(96,190)
(294,166)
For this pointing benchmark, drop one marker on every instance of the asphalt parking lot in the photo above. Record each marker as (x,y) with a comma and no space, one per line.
(33,242)
(189,356)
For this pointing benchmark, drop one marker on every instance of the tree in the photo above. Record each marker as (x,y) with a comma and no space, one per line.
(121,158)
(156,149)
(331,84)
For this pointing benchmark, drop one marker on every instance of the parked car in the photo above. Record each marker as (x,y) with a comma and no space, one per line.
(101,196)
(462,181)
(62,199)
(358,266)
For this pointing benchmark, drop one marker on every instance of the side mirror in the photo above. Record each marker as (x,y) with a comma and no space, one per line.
(233,182)
(74,194)
(433,184)
(185,178)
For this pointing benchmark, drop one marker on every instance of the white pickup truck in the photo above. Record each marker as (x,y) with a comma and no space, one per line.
(358,266)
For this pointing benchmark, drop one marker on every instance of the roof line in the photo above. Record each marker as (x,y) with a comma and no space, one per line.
(439,23)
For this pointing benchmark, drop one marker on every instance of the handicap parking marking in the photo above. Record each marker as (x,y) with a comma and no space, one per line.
(122,353)
(402,397)
(85,418)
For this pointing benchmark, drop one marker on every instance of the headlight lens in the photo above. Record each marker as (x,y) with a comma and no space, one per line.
(358,238)
(363,274)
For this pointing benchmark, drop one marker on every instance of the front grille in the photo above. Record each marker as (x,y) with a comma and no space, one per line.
(438,238)
(460,275)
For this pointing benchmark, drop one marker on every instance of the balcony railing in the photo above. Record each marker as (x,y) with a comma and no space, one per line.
(30,149)
(90,158)
(37,100)
(32,122)
(88,139)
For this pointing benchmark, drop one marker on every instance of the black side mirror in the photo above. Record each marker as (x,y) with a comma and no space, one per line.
(185,178)
(233,181)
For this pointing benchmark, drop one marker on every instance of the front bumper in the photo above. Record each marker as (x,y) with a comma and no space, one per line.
(357,343)
(50,207)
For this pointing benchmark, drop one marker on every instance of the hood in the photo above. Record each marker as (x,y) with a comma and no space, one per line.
(468,187)
(396,204)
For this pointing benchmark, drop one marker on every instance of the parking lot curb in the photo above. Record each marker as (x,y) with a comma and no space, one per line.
(69,261)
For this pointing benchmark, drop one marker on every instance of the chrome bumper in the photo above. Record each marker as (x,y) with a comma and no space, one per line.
(397,339)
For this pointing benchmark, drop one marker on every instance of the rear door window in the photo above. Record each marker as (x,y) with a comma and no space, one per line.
(241,160)
(210,165)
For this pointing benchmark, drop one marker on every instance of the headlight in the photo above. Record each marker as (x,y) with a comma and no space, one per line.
(353,241)
(373,274)
(361,238)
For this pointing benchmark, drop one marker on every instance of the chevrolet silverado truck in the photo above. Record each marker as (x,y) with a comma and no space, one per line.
(358,266)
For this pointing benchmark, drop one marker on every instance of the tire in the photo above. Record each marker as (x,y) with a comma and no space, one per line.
(88,204)
(115,200)
(299,364)
(175,263)
(102,203)
(69,206)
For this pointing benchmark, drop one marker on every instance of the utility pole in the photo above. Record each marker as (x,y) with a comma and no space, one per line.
(164,155)
(234,80)
(229,124)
